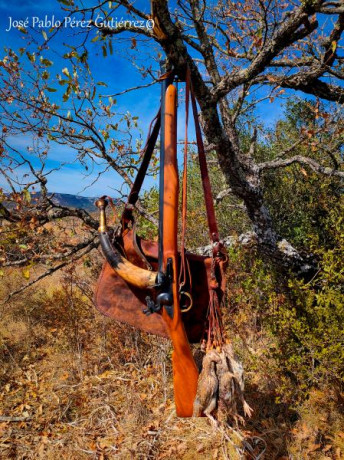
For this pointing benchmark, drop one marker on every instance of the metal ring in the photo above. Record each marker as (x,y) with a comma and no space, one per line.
(187,294)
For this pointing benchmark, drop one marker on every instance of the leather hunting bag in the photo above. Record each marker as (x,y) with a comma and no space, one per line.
(124,302)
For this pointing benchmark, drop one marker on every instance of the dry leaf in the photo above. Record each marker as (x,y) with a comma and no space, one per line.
(182,447)
(314,447)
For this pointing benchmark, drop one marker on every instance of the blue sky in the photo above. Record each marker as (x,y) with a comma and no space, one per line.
(115,70)
(119,74)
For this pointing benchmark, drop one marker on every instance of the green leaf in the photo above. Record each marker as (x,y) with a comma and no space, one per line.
(45,61)
(83,57)
(32,57)
(66,2)
(26,273)
(27,195)
(65,71)
(51,90)
(45,36)
(66,94)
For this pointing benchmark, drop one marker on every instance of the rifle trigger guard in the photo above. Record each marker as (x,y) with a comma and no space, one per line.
(165,296)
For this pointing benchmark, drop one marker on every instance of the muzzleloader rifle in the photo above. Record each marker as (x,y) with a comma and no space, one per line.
(181,292)
(185,373)
(164,283)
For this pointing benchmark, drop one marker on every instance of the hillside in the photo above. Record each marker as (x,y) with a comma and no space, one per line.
(65,199)
(75,201)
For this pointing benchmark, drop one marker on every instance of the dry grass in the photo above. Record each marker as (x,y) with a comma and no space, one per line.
(85,387)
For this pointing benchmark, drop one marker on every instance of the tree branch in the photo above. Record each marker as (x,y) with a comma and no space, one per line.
(221,195)
(52,270)
(305,161)
(314,87)
(284,36)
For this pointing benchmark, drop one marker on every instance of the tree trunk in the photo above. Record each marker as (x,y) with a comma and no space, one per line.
(239,169)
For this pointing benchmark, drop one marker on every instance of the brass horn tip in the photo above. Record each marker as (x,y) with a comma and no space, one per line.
(101,203)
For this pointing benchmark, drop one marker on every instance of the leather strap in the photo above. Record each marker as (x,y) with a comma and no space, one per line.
(208,196)
(147,155)
(148,149)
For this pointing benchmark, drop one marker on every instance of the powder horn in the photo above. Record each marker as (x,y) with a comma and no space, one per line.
(136,276)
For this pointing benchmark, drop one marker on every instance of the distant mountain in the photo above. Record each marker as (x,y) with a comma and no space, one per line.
(75,201)
(65,199)
(68,200)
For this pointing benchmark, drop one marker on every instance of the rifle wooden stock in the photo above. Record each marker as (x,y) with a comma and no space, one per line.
(185,373)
